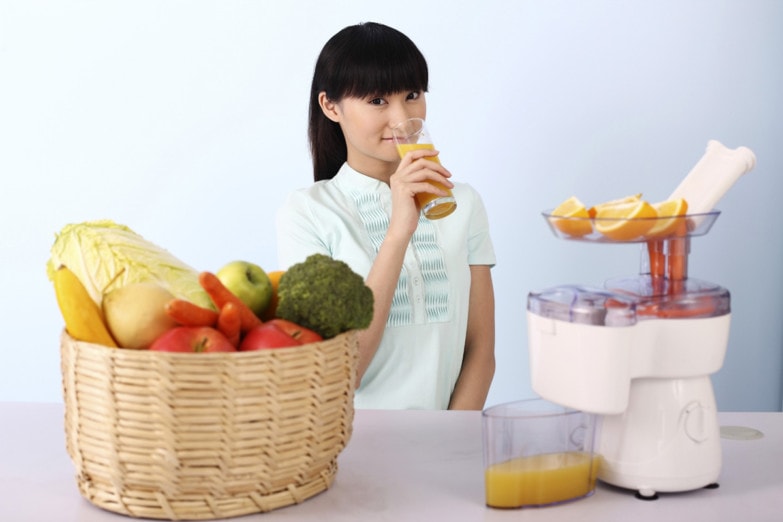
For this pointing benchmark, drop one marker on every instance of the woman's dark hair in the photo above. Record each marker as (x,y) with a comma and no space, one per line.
(362,60)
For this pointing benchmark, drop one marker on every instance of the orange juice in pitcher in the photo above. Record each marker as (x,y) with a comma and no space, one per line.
(538,453)
(540,479)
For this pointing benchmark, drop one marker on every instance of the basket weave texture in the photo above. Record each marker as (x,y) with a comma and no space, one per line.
(203,436)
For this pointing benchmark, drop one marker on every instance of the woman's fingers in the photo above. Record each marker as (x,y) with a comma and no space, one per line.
(422,169)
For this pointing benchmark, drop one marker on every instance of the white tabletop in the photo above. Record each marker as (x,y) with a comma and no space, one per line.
(403,466)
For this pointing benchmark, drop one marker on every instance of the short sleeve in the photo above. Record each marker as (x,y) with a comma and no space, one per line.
(298,234)
(480,248)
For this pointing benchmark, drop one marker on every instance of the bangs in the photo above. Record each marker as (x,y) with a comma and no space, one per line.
(375,61)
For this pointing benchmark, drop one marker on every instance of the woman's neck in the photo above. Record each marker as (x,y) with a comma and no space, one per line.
(380,170)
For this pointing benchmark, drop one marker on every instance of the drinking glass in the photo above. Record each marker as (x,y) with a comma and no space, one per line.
(412,134)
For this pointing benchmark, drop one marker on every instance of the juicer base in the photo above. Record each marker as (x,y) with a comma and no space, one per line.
(648,494)
(646,489)
(667,440)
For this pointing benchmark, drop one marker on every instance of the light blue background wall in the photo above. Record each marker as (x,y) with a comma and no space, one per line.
(186,121)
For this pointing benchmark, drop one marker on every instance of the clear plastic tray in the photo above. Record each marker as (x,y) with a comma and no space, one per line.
(639,230)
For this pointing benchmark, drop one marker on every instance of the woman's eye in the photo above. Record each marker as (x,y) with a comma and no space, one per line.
(377,101)
(413,95)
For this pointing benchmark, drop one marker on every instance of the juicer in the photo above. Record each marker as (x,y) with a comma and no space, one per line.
(639,351)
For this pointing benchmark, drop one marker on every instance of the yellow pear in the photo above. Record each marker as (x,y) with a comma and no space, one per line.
(136,314)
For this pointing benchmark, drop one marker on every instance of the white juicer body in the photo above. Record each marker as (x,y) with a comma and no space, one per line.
(641,353)
(649,379)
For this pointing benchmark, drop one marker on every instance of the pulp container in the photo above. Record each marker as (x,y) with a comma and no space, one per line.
(538,453)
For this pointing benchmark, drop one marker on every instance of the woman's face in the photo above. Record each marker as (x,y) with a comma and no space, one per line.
(366,124)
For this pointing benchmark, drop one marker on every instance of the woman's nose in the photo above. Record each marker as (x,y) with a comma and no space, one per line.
(399,115)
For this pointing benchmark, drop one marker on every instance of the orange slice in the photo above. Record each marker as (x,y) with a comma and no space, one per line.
(625,221)
(671,209)
(577,220)
(593,211)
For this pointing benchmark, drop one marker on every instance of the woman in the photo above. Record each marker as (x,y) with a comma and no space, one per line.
(431,341)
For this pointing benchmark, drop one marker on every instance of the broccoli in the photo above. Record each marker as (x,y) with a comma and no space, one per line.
(325,295)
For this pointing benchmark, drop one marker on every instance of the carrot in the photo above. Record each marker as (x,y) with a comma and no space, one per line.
(679,248)
(221,295)
(656,255)
(657,263)
(189,314)
(230,323)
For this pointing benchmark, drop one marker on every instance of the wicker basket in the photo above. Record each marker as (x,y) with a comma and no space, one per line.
(185,436)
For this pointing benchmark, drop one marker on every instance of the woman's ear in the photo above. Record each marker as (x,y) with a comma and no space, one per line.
(328,107)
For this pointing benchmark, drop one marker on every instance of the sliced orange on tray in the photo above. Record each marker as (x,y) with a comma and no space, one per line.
(593,211)
(577,219)
(625,221)
(675,210)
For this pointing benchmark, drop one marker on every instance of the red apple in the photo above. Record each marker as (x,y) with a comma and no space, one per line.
(300,333)
(199,339)
(266,336)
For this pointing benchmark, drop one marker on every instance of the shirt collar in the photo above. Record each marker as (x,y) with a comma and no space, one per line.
(349,178)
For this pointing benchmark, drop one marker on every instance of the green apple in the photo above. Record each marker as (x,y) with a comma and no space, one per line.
(248,282)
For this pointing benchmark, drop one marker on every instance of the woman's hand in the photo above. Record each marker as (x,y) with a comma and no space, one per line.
(412,177)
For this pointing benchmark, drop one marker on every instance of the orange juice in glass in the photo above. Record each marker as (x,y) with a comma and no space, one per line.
(410,135)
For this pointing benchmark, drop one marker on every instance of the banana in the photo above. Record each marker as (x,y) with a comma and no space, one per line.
(83,317)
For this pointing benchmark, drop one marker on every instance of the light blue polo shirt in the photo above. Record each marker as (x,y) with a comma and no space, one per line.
(420,355)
